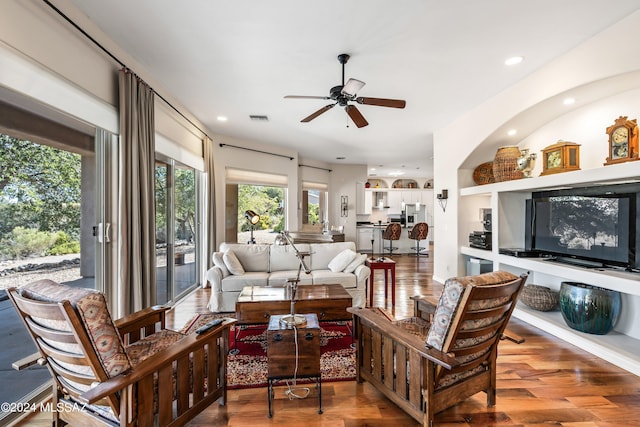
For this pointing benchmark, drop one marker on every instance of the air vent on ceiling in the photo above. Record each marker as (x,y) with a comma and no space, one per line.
(259,118)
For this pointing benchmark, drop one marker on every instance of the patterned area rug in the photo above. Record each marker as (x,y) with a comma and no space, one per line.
(248,368)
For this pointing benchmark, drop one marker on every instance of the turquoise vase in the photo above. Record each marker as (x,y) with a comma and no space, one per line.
(589,308)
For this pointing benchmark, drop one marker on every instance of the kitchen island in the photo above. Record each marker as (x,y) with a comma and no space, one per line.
(366,233)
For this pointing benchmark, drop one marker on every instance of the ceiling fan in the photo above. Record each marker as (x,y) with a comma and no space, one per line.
(346,93)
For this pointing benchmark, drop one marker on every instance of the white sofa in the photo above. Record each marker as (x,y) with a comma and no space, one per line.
(273,265)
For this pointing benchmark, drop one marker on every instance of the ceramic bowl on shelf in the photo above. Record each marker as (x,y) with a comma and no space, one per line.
(589,309)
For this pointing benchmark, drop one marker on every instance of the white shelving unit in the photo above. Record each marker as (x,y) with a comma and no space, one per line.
(506,199)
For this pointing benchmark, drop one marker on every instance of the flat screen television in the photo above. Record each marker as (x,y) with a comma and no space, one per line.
(592,227)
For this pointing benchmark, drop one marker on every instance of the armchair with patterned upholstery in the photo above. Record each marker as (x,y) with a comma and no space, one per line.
(427,369)
(129,372)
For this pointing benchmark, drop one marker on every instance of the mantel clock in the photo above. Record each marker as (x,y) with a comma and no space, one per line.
(563,156)
(623,141)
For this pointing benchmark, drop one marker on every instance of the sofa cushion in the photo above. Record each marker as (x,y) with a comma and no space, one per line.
(236,283)
(252,257)
(342,260)
(233,263)
(283,257)
(327,277)
(323,253)
(279,278)
(357,261)
(218,261)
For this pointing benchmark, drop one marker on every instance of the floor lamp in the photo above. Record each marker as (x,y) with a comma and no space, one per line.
(253,219)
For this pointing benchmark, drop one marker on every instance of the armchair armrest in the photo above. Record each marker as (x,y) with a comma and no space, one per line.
(163,360)
(141,323)
(400,335)
(424,306)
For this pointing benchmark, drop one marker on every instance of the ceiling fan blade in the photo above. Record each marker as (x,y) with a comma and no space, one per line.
(317,113)
(356,116)
(382,102)
(306,97)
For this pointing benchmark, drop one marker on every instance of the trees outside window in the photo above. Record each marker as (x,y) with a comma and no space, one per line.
(269,203)
(39,199)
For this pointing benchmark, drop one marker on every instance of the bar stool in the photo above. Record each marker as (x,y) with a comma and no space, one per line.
(419,232)
(392,232)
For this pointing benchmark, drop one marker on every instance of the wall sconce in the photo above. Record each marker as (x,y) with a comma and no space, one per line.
(253,219)
(442,199)
(344,206)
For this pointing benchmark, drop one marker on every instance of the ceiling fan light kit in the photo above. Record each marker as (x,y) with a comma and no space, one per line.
(346,93)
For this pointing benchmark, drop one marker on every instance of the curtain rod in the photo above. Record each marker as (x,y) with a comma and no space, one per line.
(122,64)
(315,167)
(256,151)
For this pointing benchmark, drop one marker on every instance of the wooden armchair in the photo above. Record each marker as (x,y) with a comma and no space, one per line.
(425,374)
(124,373)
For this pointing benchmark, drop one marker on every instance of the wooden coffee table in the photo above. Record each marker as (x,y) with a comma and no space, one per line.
(257,304)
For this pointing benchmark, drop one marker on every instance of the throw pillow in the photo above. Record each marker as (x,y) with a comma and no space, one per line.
(357,261)
(445,311)
(219,262)
(340,261)
(233,264)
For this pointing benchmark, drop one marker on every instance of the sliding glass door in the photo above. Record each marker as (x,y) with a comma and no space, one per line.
(177,229)
(55,215)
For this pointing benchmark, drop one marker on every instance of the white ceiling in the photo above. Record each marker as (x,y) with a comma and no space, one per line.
(240,58)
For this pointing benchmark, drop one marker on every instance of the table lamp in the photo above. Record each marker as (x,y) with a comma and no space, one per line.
(293,319)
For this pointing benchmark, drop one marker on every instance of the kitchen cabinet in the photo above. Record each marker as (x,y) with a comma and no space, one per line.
(364,237)
(395,201)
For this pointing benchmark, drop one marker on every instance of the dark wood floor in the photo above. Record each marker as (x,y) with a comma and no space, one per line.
(542,381)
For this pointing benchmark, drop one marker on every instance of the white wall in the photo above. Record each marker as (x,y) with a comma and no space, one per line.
(343,183)
(589,63)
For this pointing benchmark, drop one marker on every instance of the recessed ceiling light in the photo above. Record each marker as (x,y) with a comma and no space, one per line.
(372,169)
(340,158)
(569,101)
(396,173)
(512,132)
(221,118)
(514,60)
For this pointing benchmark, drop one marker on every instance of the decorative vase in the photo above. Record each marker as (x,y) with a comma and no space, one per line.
(588,308)
(505,164)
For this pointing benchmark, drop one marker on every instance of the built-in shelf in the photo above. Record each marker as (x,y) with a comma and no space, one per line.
(506,200)
(606,175)
(615,279)
(613,347)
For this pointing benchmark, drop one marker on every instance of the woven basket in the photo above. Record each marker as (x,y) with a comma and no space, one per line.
(539,297)
(505,164)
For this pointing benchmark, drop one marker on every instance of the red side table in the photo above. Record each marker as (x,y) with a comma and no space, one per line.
(388,266)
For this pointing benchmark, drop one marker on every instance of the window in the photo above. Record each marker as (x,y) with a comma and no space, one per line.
(268,203)
(263,193)
(314,206)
